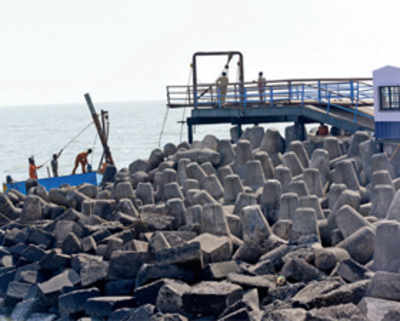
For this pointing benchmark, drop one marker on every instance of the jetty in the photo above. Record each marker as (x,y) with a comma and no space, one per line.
(345,103)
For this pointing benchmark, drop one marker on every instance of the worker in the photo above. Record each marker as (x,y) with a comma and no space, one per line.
(54,163)
(222,85)
(81,158)
(261,86)
(33,168)
(322,130)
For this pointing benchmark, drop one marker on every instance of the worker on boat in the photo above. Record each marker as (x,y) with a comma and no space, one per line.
(33,169)
(81,158)
(54,163)
(261,86)
(222,85)
(322,130)
(103,167)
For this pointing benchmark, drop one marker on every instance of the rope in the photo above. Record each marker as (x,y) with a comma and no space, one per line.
(163,127)
(70,141)
(184,109)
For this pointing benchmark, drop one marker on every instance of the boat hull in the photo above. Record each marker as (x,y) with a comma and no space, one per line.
(54,182)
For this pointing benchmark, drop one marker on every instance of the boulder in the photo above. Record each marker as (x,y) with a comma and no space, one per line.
(214,248)
(210,297)
(304,227)
(360,245)
(170,296)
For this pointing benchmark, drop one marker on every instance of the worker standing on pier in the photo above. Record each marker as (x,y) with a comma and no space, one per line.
(33,168)
(222,85)
(261,86)
(81,158)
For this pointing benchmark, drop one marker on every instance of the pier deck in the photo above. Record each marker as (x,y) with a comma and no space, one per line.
(343,103)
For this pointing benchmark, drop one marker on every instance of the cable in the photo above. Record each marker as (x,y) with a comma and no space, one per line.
(70,141)
(184,108)
(163,127)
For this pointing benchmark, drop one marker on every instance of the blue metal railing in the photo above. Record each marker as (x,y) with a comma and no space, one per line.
(343,94)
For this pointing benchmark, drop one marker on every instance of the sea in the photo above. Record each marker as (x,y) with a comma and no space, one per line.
(136,128)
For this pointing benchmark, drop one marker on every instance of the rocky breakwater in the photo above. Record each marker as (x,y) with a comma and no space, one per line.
(265,229)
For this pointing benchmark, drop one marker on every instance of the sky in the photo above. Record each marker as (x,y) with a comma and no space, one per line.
(123,50)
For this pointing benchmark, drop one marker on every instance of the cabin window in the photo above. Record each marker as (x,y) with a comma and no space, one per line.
(390,97)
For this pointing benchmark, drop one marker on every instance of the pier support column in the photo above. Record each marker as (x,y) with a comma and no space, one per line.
(239,128)
(190,132)
(300,130)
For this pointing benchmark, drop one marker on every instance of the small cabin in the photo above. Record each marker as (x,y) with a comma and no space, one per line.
(387,103)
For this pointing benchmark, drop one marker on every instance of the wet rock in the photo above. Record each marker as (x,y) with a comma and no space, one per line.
(103,306)
(126,264)
(73,302)
(187,254)
(211,298)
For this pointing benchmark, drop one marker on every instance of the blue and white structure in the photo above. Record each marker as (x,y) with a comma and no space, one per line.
(386,82)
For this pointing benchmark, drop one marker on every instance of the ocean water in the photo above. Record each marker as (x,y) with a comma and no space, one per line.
(135,128)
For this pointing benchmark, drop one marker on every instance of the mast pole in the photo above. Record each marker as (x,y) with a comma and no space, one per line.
(100,131)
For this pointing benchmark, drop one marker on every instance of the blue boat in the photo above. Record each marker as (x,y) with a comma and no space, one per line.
(54,182)
(93,178)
